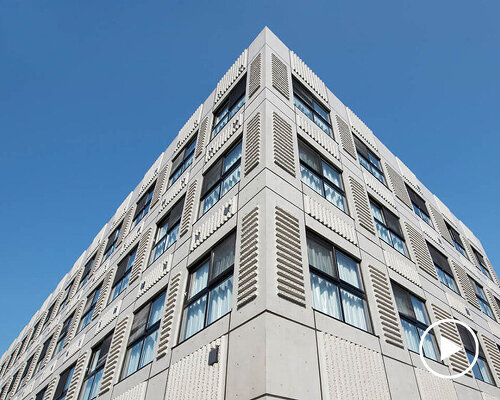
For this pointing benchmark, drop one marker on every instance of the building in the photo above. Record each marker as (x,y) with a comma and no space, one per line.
(275,250)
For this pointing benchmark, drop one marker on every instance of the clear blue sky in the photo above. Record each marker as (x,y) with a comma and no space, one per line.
(92,92)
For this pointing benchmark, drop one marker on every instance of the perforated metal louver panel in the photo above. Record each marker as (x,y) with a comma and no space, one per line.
(465,285)
(168,316)
(279,73)
(494,355)
(345,137)
(160,184)
(249,257)
(252,143)
(420,250)
(361,204)
(103,294)
(385,305)
(114,355)
(77,378)
(439,223)
(398,186)
(142,255)
(458,361)
(202,135)
(255,75)
(283,144)
(290,273)
(492,270)
(187,214)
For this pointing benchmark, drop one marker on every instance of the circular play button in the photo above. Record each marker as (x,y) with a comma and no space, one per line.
(448,348)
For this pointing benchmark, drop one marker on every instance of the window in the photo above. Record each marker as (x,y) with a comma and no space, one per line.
(88,311)
(221,177)
(369,160)
(93,376)
(86,271)
(25,371)
(63,384)
(306,103)
(65,298)
(480,370)
(168,229)
(336,285)
(419,206)
(143,205)
(481,298)
(21,346)
(183,160)
(12,382)
(457,242)
(111,243)
(41,395)
(482,263)
(388,227)
(234,101)
(321,177)
(143,336)
(47,317)
(443,269)
(64,333)
(415,321)
(210,288)
(122,275)
(43,353)
(33,335)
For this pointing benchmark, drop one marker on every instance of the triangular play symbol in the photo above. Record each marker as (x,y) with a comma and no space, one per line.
(448,348)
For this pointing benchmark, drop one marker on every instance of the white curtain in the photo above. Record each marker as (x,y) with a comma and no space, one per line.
(199,279)
(220,300)
(348,270)
(195,317)
(428,345)
(325,296)
(354,311)
(320,257)
(412,339)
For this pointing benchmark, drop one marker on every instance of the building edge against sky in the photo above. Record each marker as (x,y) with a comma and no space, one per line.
(276,249)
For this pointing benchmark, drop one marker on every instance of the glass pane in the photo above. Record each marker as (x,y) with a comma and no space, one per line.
(321,111)
(223,257)
(429,345)
(222,113)
(398,244)
(377,174)
(320,256)
(302,107)
(230,181)
(97,383)
(375,161)
(133,357)
(335,197)
(311,180)
(485,372)
(383,233)
(419,309)
(172,236)
(210,200)
(159,249)
(199,279)
(451,283)
(195,317)
(149,349)
(325,296)
(191,148)
(377,213)
(411,335)
(354,311)
(348,270)
(232,158)
(441,275)
(220,300)
(156,310)
(364,162)
(323,126)
(332,175)
(475,368)
(88,388)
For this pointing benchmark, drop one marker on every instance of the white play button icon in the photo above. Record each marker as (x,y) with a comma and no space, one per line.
(448,348)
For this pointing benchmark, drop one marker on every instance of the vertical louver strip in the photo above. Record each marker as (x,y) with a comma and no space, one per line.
(31,369)
(385,305)
(77,378)
(127,222)
(168,316)
(420,250)
(279,74)
(345,137)
(99,254)
(249,258)
(75,322)
(283,144)
(465,285)
(494,354)
(439,223)
(255,75)
(187,214)
(50,389)
(493,303)
(160,185)
(18,378)
(142,255)
(202,135)
(114,355)
(76,283)
(290,273)
(398,186)
(103,295)
(458,361)
(52,345)
(252,143)
(361,204)
(492,270)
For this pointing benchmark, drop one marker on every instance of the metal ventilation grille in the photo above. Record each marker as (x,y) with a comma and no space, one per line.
(386,309)
(160,185)
(142,255)
(283,144)
(398,186)
(76,379)
(494,353)
(202,135)
(168,316)
(420,250)
(458,361)
(465,285)
(361,204)
(439,223)
(114,355)
(252,145)
(187,214)
(103,294)
(280,76)
(255,75)
(346,137)
(249,258)
(290,273)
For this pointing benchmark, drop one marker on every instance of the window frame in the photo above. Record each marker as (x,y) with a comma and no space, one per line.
(64,333)
(166,220)
(457,240)
(471,353)
(233,103)
(481,298)
(383,210)
(368,163)
(184,164)
(90,312)
(86,271)
(482,264)
(126,274)
(437,257)
(96,366)
(111,242)
(140,213)
(69,371)
(419,206)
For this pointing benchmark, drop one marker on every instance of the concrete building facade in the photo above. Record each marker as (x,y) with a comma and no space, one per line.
(275,250)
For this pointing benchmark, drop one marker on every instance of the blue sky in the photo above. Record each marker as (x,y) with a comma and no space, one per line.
(92,92)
